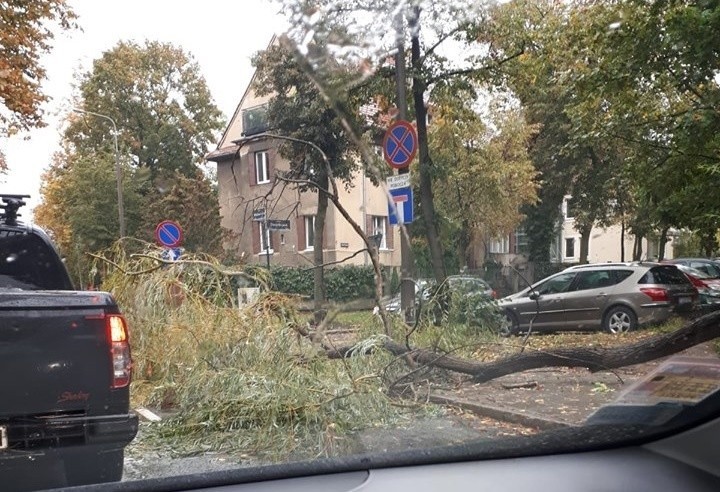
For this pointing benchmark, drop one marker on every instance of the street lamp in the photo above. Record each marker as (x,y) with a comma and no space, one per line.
(118,170)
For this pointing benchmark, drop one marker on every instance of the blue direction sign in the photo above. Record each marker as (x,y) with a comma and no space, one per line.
(169,234)
(400,211)
(172,254)
(400,144)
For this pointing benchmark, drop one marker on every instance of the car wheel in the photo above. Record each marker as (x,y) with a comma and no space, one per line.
(620,319)
(509,325)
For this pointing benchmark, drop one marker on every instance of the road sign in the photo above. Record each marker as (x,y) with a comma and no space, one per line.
(400,144)
(398,181)
(258,215)
(278,225)
(172,254)
(400,211)
(169,234)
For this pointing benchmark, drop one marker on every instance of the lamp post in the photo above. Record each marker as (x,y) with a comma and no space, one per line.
(118,170)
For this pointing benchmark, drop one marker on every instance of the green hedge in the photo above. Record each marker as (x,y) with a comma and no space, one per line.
(341,284)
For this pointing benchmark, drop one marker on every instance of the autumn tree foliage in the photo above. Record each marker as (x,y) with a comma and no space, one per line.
(27,29)
(160,102)
(166,120)
(484,172)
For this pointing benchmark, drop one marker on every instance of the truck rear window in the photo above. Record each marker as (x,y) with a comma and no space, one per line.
(27,262)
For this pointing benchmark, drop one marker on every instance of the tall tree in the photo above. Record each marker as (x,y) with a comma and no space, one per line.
(298,110)
(483,168)
(193,202)
(560,49)
(655,85)
(434,31)
(26,32)
(160,102)
(79,207)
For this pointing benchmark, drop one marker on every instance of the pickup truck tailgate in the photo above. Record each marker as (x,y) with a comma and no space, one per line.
(57,344)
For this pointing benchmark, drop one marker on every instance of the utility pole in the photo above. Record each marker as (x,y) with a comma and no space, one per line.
(407,267)
(118,169)
(266,233)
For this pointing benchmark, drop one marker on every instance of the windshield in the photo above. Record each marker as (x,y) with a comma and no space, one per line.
(319,224)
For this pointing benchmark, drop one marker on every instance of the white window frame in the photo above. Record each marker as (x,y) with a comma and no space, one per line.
(379,226)
(521,241)
(309,229)
(566,208)
(262,167)
(500,245)
(265,235)
(574,240)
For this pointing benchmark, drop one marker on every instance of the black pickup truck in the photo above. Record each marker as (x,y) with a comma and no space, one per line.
(65,365)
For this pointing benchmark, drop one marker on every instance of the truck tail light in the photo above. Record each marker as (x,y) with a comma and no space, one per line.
(119,350)
(656,294)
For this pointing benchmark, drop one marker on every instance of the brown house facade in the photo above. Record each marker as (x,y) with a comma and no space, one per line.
(246,186)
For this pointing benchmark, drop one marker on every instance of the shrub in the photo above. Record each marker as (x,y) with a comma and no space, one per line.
(341,284)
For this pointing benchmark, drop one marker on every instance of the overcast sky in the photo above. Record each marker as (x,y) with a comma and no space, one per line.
(222,36)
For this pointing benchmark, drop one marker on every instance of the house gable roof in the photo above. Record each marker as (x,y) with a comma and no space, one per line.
(225,146)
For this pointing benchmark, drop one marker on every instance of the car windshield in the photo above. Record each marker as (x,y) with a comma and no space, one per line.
(261,203)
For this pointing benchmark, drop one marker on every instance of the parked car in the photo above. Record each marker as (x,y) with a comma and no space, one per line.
(710,267)
(708,287)
(614,297)
(464,284)
(422,292)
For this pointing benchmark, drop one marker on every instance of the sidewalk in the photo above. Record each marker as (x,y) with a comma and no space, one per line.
(552,397)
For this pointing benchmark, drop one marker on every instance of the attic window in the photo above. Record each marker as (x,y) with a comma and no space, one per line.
(254,120)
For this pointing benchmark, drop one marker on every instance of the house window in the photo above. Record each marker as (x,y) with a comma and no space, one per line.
(255,120)
(262,167)
(266,246)
(379,226)
(570,247)
(500,245)
(309,232)
(570,208)
(521,242)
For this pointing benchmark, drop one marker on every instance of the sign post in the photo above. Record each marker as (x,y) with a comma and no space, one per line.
(399,148)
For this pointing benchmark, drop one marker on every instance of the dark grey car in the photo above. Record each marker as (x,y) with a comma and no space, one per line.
(616,298)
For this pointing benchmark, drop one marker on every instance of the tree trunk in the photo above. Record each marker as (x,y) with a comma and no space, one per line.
(463,244)
(318,257)
(585,242)
(426,193)
(622,240)
(663,243)
(637,248)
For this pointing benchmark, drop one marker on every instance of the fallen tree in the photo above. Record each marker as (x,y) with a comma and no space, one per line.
(594,359)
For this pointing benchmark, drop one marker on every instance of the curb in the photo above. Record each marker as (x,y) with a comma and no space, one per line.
(528,420)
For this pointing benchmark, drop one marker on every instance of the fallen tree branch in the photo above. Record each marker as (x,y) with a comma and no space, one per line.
(594,359)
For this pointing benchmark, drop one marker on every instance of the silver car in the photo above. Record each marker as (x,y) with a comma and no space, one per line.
(614,297)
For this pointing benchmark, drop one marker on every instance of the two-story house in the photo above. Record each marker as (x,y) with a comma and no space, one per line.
(245,174)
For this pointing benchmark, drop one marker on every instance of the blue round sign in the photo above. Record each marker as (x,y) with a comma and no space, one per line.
(169,234)
(400,144)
